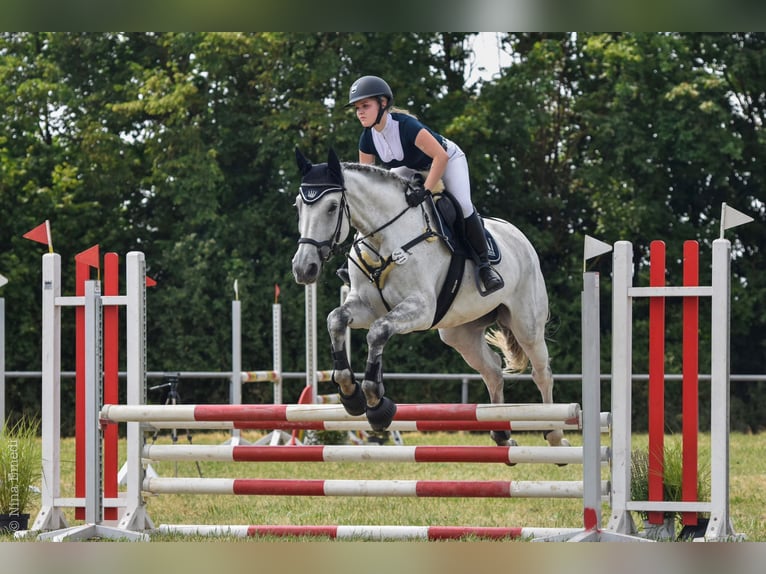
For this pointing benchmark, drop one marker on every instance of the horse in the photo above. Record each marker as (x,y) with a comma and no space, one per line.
(396,273)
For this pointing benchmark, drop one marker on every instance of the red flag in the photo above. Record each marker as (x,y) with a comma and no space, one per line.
(41,234)
(276,293)
(150,282)
(90,257)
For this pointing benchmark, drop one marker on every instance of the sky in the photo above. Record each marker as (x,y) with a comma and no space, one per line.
(488,56)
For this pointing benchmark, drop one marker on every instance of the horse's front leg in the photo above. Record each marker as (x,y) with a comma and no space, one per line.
(410,315)
(349,390)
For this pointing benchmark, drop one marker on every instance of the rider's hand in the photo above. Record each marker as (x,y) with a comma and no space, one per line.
(415,193)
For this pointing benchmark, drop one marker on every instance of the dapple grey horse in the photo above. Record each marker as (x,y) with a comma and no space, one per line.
(397,267)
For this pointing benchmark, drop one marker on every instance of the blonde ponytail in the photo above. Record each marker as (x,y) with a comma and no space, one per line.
(396,110)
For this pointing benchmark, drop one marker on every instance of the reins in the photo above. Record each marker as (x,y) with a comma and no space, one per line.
(378,271)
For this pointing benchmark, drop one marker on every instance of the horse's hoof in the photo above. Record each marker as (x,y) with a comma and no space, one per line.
(562,442)
(500,437)
(511,442)
(380,417)
(503,438)
(557,439)
(355,404)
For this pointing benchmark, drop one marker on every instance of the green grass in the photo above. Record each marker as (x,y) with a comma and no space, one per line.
(748,495)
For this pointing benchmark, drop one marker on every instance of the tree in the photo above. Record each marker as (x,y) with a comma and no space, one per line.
(181,145)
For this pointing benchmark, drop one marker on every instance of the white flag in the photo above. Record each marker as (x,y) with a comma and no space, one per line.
(3,280)
(730,217)
(594,248)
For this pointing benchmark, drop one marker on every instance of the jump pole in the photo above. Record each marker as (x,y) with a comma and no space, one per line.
(137,412)
(369,532)
(365,488)
(372,454)
(363,425)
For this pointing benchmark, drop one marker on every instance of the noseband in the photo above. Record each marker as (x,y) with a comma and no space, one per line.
(313,192)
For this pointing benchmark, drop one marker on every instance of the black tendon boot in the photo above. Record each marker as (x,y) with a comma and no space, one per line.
(474,233)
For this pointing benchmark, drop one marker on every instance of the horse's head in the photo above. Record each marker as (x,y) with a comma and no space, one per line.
(322,215)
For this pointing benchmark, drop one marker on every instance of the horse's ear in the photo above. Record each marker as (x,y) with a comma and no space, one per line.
(333,164)
(304,165)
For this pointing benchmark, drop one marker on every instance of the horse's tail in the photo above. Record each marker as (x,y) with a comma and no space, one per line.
(504,339)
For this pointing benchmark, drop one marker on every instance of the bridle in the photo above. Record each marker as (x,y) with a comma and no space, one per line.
(311,193)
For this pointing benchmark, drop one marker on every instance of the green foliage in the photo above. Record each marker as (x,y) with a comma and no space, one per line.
(672,475)
(19,465)
(181,145)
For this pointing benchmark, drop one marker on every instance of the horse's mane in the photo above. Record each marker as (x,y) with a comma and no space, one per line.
(374,170)
(384,173)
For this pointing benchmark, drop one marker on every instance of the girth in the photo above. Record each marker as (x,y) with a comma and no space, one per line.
(376,268)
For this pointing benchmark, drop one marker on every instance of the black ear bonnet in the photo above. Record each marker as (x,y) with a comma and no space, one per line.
(321,179)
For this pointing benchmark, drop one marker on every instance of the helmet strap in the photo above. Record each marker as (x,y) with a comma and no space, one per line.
(381,109)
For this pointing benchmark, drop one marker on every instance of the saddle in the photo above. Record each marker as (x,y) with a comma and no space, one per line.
(442,222)
(451,229)
(450,226)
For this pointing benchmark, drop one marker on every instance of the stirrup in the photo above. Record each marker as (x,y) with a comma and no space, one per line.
(496,283)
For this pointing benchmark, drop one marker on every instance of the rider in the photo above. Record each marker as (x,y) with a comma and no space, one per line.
(401,142)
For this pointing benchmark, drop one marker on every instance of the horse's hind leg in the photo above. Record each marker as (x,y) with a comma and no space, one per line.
(543,378)
(529,333)
(469,341)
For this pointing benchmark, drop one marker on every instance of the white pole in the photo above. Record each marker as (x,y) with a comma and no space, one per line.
(622,355)
(591,402)
(311,340)
(135,517)
(51,516)
(93,376)
(276,336)
(235,386)
(719,526)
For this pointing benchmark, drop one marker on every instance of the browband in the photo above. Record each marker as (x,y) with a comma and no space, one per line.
(311,192)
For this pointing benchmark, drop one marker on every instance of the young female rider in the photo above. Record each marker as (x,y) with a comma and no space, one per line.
(401,142)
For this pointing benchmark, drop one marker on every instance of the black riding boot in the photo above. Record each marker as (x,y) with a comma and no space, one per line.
(474,233)
(342,272)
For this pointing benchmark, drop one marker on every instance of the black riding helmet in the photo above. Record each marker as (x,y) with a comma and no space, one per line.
(371,87)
